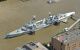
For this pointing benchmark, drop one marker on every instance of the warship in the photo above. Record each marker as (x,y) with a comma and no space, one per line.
(32,26)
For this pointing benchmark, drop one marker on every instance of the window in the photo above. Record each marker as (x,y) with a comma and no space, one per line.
(61,49)
(61,43)
(54,49)
(79,44)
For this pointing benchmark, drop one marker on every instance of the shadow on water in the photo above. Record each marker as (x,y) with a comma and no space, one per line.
(24,0)
(2,0)
(10,37)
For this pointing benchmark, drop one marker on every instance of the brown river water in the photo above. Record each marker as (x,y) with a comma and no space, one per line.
(14,13)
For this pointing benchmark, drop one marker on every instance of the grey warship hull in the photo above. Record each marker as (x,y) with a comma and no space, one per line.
(31,27)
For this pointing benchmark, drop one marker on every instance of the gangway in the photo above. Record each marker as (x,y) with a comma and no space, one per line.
(69,28)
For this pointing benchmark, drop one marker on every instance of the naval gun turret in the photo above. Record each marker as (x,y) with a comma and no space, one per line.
(56,20)
(30,27)
(53,19)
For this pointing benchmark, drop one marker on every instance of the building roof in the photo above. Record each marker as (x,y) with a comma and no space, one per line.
(69,36)
(77,49)
(33,46)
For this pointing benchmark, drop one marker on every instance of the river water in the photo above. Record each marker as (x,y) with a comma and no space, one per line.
(15,13)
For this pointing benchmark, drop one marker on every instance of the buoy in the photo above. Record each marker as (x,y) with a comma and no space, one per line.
(50,1)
